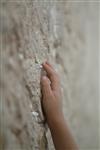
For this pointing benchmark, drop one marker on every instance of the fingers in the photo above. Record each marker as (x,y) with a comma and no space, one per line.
(46,88)
(52,75)
(49,64)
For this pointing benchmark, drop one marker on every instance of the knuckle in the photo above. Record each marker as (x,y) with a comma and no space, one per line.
(57,76)
(54,73)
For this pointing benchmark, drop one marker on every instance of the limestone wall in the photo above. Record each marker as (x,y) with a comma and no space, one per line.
(67,34)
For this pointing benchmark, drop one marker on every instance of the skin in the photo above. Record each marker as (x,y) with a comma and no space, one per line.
(52,108)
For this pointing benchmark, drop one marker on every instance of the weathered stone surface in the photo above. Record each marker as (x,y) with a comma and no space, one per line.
(24,47)
(65,33)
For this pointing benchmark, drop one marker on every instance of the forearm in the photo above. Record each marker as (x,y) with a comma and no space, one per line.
(62,138)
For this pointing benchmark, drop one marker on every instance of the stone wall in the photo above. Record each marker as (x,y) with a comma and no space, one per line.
(66,34)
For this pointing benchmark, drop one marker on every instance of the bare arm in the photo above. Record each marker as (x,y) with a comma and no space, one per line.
(52,106)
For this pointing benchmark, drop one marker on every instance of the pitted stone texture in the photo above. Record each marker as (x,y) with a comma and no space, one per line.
(24,46)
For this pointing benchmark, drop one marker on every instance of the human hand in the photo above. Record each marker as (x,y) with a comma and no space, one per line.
(51,95)
(52,107)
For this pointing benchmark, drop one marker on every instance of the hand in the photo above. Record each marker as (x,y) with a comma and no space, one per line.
(52,107)
(51,94)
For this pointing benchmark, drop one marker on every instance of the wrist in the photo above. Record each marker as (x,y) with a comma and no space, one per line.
(55,120)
